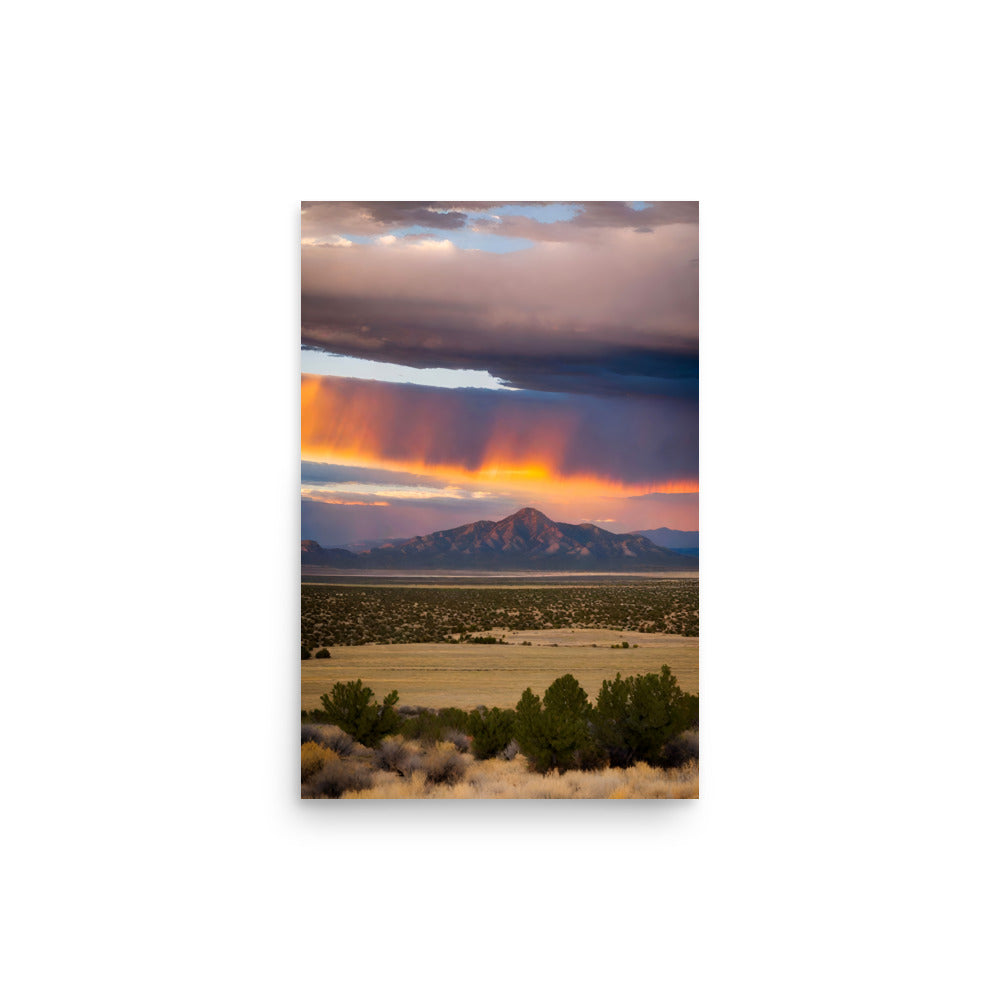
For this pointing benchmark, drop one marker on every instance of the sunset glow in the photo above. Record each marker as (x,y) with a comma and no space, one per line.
(352,423)
(419,318)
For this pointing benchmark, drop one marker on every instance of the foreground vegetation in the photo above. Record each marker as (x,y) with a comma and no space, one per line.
(357,615)
(434,776)
(638,739)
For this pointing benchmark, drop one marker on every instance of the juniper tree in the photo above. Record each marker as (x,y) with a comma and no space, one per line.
(491,731)
(350,705)
(636,717)
(554,732)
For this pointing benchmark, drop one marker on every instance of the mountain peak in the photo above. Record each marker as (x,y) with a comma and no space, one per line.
(528,522)
(528,514)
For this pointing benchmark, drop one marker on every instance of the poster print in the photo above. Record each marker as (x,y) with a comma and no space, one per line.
(499,499)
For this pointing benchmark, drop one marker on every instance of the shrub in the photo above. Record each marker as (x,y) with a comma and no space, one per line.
(305,653)
(636,717)
(339,776)
(332,737)
(323,654)
(510,751)
(351,706)
(313,758)
(393,755)
(445,765)
(554,732)
(491,731)
(461,740)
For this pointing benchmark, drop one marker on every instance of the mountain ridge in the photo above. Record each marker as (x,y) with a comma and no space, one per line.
(525,539)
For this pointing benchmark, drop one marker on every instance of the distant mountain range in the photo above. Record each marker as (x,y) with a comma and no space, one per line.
(525,540)
(685,542)
(366,544)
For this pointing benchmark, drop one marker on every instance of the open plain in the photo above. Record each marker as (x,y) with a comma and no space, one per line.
(465,676)
(463,671)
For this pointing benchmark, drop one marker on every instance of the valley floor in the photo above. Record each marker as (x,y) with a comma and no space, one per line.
(438,675)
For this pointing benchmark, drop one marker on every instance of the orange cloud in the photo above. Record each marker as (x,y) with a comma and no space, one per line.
(324,497)
(515,445)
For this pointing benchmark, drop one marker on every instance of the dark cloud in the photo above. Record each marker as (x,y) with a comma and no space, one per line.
(370,217)
(581,378)
(618,213)
(616,316)
(518,357)
(643,229)
(373,217)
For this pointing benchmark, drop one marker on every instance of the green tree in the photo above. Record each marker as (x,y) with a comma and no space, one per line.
(529,730)
(636,717)
(554,732)
(491,731)
(351,706)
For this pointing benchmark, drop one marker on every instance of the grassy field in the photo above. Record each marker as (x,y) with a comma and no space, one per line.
(441,675)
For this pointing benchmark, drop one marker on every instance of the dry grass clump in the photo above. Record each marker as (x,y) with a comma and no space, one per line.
(499,779)
(445,764)
(590,784)
(396,755)
(391,786)
(645,782)
(491,778)
(400,769)
(314,757)
(337,777)
(332,737)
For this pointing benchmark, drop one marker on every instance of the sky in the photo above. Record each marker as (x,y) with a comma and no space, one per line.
(463,360)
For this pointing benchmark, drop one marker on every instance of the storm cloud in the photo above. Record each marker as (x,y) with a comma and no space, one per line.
(619,315)
(481,432)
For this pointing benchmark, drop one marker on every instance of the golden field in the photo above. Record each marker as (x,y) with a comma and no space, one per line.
(439,675)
